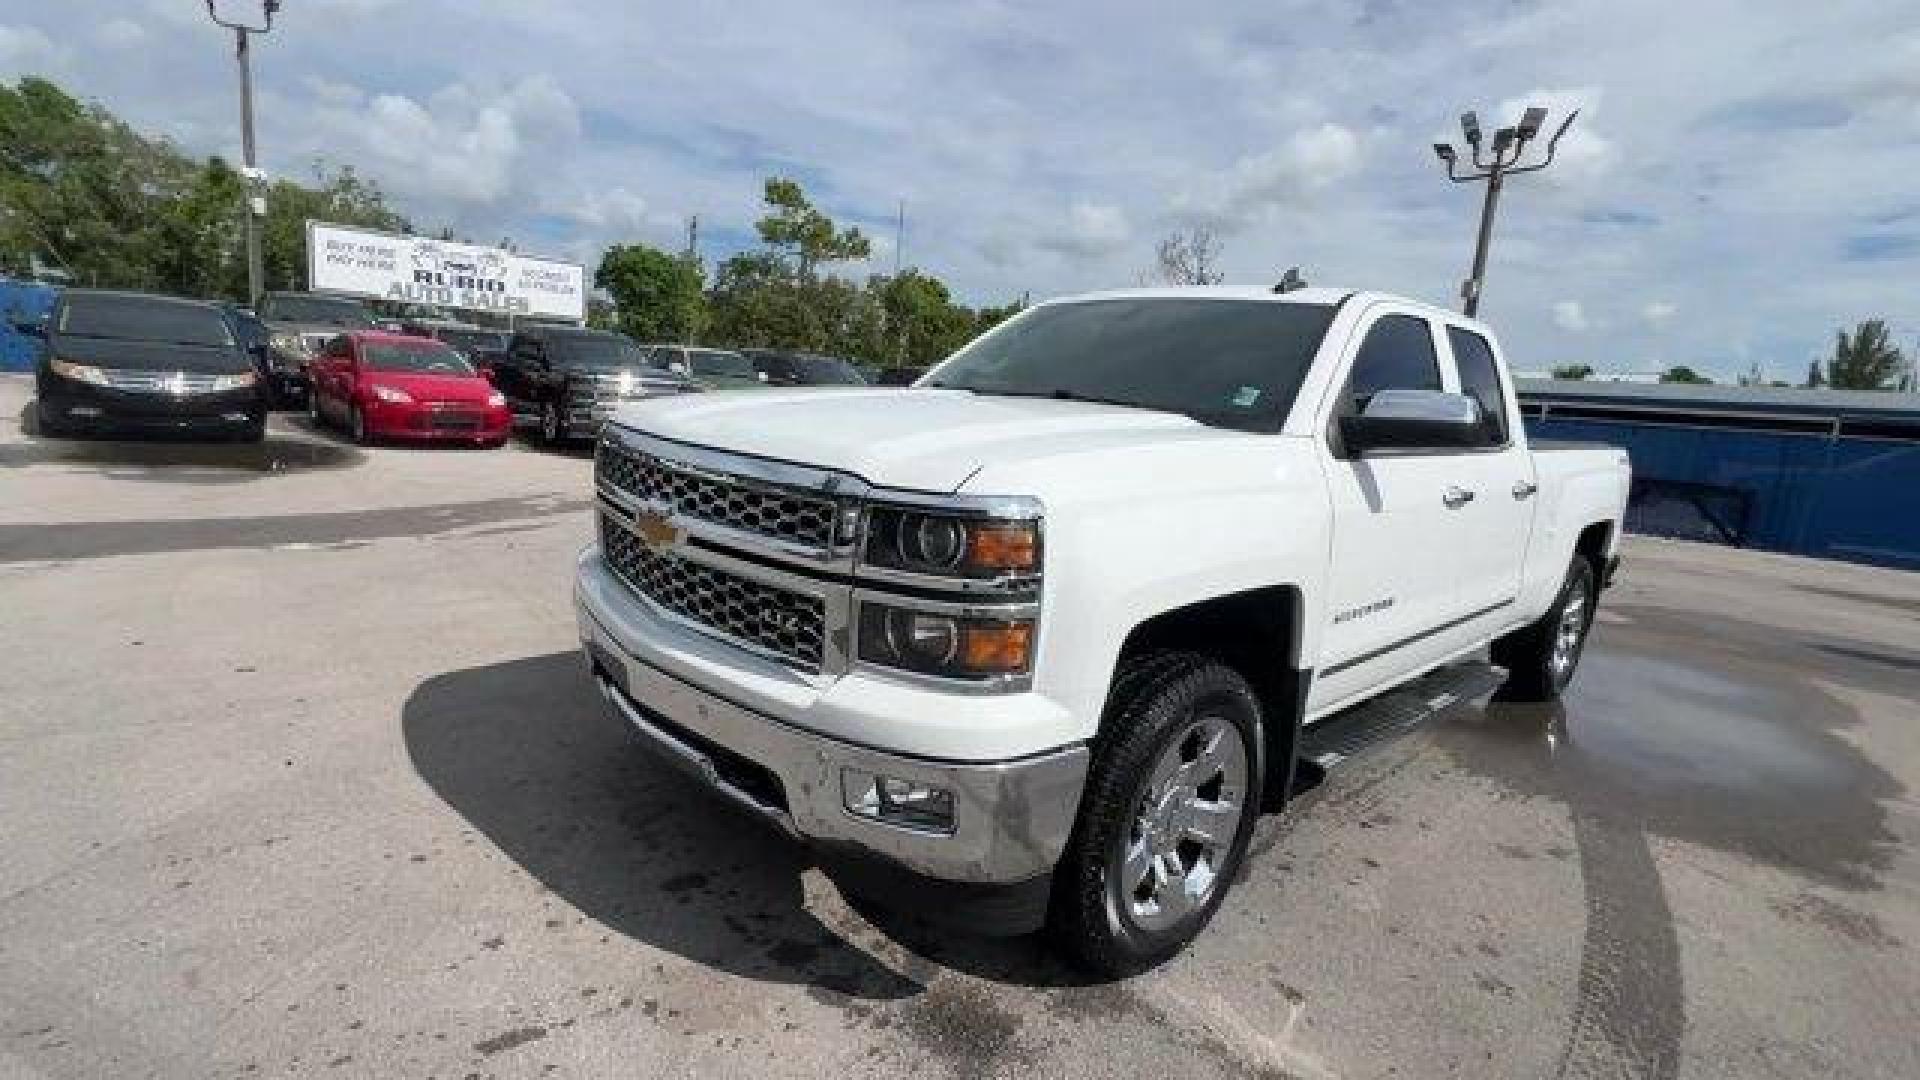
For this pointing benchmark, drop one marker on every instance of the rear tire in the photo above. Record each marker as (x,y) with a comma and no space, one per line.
(1170,804)
(1541,658)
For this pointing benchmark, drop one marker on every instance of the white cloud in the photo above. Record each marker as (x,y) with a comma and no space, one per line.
(27,50)
(1658,313)
(1570,316)
(1311,159)
(120,33)
(1091,231)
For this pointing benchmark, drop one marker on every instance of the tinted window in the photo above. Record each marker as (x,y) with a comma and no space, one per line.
(1225,362)
(429,357)
(316,309)
(1480,380)
(827,371)
(1397,355)
(595,350)
(715,362)
(470,340)
(139,318)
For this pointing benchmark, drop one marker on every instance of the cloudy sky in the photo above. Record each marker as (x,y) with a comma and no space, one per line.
(1744,176)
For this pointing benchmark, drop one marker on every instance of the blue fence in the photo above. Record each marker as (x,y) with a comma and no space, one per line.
(21,301)
(1835,486)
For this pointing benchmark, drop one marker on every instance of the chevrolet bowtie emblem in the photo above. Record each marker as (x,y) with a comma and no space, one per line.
(657,530)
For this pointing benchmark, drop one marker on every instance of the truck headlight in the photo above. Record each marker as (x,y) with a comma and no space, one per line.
(948,645)
(952,545)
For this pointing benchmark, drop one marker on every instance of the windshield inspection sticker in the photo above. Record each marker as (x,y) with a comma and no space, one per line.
(1246,396)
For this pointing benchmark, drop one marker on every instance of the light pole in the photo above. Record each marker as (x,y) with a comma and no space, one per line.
(1509,145)
(255,204)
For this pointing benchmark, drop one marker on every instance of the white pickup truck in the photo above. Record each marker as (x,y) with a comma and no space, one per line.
(1032,642)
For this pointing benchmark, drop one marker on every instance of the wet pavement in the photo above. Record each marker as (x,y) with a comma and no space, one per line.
(300,773)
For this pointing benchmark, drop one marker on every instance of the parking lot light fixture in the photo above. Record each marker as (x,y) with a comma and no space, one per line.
(1508,149)
(254,204)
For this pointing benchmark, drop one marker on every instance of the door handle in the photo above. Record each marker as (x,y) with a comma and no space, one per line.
(1525,489)
(1456,497)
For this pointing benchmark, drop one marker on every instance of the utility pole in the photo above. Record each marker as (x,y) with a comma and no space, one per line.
(693,237)
(1509,145)
(255,204)
(900,239)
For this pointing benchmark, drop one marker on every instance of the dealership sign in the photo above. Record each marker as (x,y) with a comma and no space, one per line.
(417,270)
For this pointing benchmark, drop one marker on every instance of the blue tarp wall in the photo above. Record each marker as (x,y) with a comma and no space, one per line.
(1843,485)
(21,301)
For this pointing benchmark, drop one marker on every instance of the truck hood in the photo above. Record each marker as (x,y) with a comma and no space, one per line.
(921,439)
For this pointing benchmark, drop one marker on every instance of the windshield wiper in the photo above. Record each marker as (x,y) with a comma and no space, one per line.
(1061,393)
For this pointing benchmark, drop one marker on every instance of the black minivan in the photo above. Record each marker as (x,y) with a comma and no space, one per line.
(139,362)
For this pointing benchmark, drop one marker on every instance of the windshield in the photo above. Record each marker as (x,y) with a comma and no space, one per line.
(472,340)
(1225,362)
(827,371)
(316,309)
(427,357)
(713,362)
(598,350)
(139,318)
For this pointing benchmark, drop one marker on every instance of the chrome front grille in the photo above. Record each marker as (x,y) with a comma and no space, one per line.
(696,493)
(161,382)
(786,624)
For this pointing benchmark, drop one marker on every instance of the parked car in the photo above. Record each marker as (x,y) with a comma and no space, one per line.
(380,385)
(138,362)
(1033,641)
(301,323)
(481,347)
(254,337)
(898,376)
(569,379)
(713,369)
(784,367)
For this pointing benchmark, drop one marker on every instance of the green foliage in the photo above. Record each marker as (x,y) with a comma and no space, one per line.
(1866,359)
(802,236)
(1575,372)
(84,193)
(659,297)
(1681,373)
(774,297)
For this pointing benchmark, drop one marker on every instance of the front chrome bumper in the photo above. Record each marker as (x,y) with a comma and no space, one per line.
(1011,818)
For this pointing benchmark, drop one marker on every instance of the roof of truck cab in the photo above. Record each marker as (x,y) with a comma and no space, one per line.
(1324,296)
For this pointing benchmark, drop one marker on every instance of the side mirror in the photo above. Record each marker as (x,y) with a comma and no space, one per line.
(1413,420)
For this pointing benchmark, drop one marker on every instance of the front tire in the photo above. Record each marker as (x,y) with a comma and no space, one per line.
(314,412)
(1169,807)
(48,423)
(357,425)
(1540,659)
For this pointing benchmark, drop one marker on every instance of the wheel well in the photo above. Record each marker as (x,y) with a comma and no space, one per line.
(1255,633)
(1593,545)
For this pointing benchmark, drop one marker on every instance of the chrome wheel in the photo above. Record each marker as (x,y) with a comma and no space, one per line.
(1185,825)
(1569,630)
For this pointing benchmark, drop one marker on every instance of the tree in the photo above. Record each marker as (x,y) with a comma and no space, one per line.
(803,236)
(1865,359)
(1188,257)
(1574,372)
(1685,375)
(1816,377)
(659,297)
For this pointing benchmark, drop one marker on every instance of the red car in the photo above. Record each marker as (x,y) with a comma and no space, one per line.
(394,386)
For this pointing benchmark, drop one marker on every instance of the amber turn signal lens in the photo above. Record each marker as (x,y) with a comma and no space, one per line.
(1002,547)
(997,647)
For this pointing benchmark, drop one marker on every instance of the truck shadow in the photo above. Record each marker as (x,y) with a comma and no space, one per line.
(527,752)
